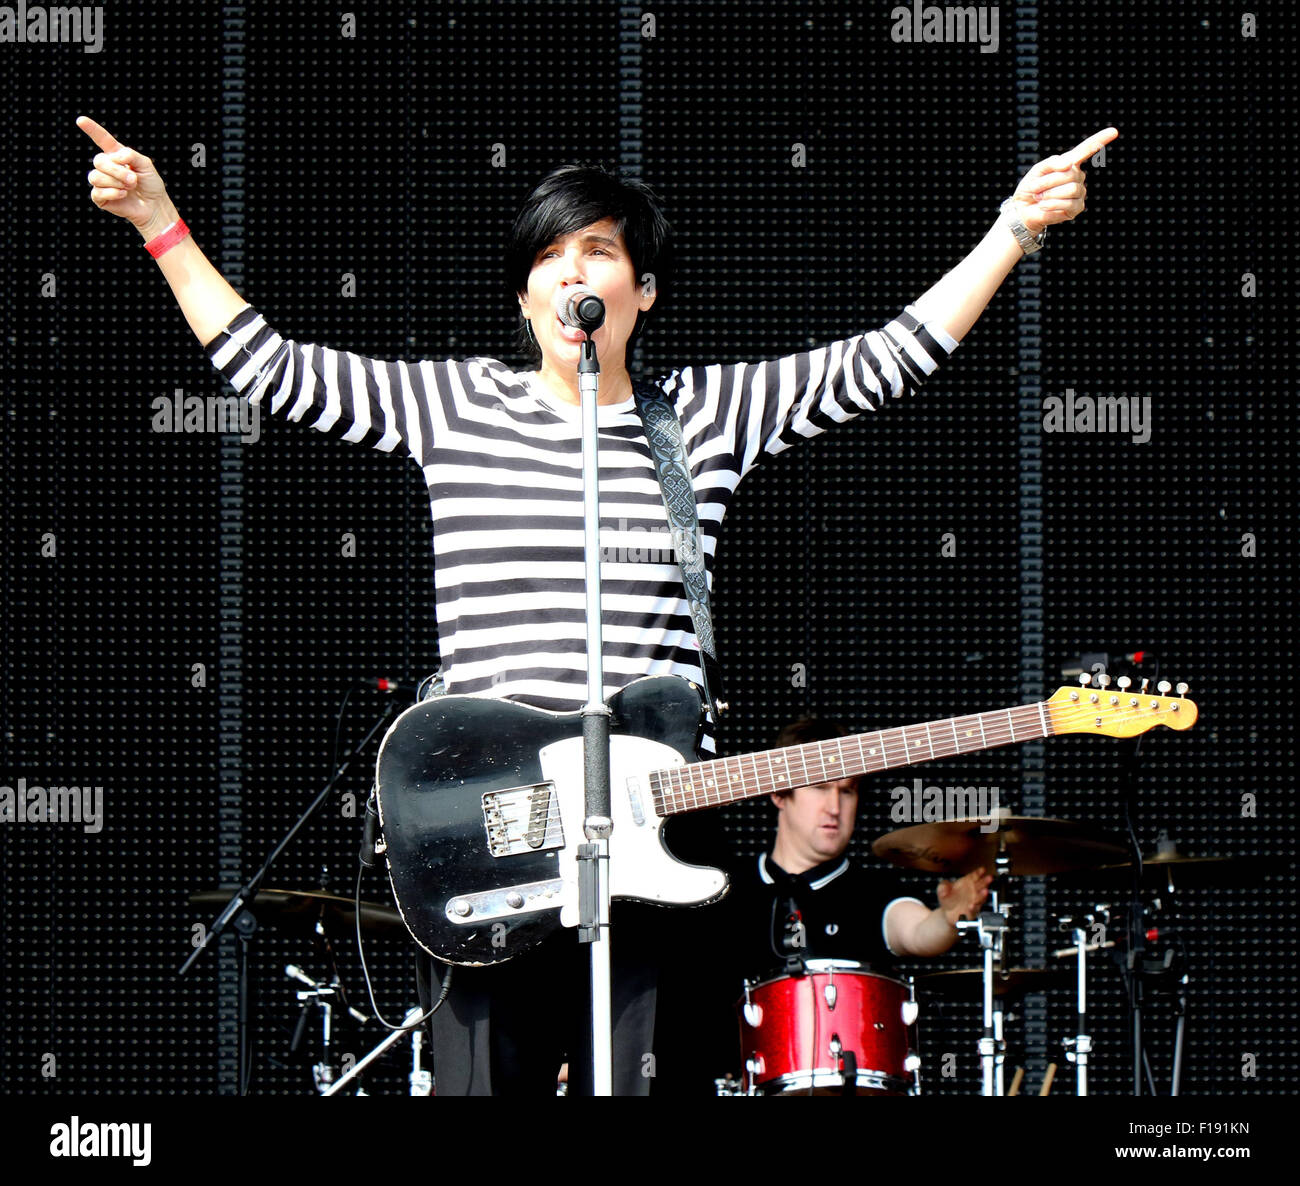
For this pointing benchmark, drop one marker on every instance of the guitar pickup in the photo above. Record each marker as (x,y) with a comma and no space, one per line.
(522,819)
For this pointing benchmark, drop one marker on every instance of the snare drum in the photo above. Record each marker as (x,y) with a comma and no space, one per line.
(837,1029)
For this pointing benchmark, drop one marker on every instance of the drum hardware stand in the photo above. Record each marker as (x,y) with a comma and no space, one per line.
(237,912)
(421,1080)
(727,1086)
(991,926)
(1159,971)
(1176,1076)
(323,996)
(1079,1047)
(1132,967)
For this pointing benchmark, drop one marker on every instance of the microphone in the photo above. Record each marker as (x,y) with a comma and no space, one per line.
(580,308)
(385,683)
(1103,659)
(1164,934)
(794,934)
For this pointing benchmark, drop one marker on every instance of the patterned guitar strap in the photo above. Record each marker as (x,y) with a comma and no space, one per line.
(663,431)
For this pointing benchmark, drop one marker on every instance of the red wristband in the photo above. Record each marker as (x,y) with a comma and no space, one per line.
(168,239)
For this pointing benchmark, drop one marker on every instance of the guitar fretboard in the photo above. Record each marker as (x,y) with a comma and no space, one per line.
(728,780)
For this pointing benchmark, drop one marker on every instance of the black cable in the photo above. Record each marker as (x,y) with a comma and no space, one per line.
(338,733)
(365,971)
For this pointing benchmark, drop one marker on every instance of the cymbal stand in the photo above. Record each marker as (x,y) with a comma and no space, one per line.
(991,927)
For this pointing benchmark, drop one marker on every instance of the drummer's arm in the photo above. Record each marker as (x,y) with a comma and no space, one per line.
(910,929)
(913,930)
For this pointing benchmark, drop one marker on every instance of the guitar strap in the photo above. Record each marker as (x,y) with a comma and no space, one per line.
(663,432)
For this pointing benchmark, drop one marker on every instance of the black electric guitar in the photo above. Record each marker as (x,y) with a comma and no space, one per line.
(481,801)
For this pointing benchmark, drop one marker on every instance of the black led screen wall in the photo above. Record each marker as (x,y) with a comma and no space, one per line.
(183,612)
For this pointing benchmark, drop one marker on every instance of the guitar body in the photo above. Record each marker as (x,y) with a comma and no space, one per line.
(481,805)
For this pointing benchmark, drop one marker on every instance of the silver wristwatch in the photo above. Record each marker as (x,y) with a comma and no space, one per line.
(1027,242)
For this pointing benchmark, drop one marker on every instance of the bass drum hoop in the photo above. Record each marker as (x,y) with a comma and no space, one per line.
(833,1082)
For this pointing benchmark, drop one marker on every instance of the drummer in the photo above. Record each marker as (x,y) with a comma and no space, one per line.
(803,900)
(806,899)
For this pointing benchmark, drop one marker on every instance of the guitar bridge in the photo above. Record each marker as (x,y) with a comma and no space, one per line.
(522,819)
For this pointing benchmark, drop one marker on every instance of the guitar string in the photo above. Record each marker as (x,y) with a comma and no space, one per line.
(1002,733)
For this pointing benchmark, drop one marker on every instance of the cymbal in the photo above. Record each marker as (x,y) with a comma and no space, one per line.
(300,910)
(1012,982)
(1172,870)
(1034,846)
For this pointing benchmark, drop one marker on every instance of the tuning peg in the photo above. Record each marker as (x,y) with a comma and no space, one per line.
(1123,682)
(1182,689)
(1084,679)
(1146,679)
(1163,686)
(1104,680)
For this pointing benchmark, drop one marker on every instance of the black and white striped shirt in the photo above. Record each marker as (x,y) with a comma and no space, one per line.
(503,463)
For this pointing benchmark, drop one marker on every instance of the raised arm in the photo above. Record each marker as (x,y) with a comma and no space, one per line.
(125,183)
(1052,191)
(369,400)
(764,408)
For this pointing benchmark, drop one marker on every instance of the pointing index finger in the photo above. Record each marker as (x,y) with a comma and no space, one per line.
(1081,152)
(99,134)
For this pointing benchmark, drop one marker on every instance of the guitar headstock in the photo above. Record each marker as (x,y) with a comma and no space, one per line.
(1118,711)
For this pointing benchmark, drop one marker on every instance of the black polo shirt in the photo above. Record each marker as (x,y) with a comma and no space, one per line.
(831,911)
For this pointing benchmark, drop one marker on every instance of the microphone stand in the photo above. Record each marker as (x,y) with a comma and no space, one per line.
(1136,913)
(593,857)
(1135,955)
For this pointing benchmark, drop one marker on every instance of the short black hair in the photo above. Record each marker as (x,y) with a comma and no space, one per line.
(573,196)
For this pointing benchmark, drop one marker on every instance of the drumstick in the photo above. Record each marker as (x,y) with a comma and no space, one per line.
(1015,1082)
(1047,1079)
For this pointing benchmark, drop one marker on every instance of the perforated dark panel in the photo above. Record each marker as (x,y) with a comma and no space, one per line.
(934,558)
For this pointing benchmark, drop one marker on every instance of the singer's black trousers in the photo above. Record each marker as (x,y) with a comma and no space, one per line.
(506,1029)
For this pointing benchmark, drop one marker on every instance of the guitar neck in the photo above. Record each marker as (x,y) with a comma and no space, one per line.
(729,780)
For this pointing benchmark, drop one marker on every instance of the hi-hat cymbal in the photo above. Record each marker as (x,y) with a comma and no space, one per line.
(1012,982)
(1034,845)
(300,910)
